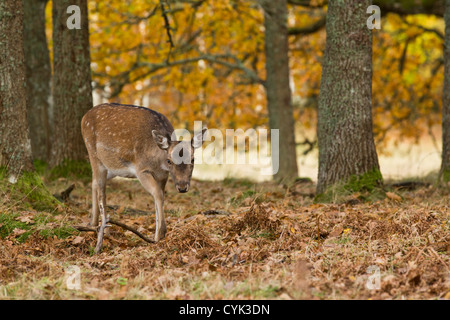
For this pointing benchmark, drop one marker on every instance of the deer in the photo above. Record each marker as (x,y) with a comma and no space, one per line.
(135,142)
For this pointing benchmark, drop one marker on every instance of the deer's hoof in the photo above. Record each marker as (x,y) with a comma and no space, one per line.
(160,234)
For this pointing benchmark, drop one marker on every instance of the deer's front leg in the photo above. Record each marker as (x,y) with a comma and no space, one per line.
(156,189)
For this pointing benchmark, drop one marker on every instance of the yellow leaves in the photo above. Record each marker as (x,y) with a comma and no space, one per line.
(400,112)
(126,33)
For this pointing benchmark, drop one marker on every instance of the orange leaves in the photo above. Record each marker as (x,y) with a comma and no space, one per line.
(130,36)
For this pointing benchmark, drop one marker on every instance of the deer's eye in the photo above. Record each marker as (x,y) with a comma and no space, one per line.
(169,162)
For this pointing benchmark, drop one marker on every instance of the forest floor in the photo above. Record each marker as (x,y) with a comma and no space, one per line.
(230,240)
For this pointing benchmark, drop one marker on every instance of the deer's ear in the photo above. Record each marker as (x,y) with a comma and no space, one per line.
(198,139)
(161,140)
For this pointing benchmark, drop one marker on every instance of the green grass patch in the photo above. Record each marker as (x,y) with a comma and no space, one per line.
(28,191)
(233,182)
(366,187)
(71,169)
(62,232)
(10,223)
(40,166)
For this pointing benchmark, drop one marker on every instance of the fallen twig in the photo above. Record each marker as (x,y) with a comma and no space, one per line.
(117,223)
(140,235)
(215,212)
(64,195)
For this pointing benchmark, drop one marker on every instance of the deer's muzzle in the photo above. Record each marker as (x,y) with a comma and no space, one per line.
(182,187)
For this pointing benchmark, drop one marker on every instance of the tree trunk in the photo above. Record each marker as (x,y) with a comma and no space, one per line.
(445,168)
(345,137)
(15,146)
(38,74)
(277,85)
(72,91)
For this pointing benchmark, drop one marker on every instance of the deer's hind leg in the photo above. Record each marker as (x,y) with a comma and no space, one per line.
(99,174)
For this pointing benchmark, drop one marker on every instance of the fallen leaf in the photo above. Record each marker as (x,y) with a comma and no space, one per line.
(26,219)
(393,196)
(77,240)
(17,232)
(336,232)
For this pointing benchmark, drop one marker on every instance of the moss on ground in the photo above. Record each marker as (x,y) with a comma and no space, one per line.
(27,206)
(27,191)
(445,176)
(71,169)
(366,182)
(43,223)
(368,187)
(40,166)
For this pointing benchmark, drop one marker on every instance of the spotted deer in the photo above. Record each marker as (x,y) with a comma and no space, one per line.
(135,142)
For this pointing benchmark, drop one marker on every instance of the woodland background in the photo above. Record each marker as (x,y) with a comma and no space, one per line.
(342,96)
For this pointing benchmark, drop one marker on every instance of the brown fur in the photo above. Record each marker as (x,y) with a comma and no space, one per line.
(134,142)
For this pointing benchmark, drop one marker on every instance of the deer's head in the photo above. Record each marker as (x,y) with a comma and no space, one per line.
(179,157)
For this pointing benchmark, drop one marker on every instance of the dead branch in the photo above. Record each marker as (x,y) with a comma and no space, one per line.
(117,223)
(64,195)
(166,23)
(313,28)
(215,212)
(140,235)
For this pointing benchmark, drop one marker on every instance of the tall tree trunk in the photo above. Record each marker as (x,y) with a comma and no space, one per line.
(72,91)
(278,89)
(38,74)
(445,168)
(15,146)
(346,144)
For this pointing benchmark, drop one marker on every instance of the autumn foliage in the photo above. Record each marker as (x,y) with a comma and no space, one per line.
(212,73)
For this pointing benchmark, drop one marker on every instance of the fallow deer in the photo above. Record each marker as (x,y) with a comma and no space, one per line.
(135,142)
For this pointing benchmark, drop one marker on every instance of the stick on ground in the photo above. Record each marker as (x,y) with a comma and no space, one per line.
(117,223)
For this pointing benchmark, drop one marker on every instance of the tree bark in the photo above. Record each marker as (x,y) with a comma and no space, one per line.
(445,167)
(72,90)
(345,137)
(279,100)
(15,146)
(38,74)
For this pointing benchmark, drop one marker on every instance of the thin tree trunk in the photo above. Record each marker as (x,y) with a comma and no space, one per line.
(15,146)
(278,89)
(345,137)
(38,74)
(72,91)
(445,168)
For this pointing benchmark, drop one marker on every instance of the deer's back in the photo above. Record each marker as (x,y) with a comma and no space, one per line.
(116,133)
